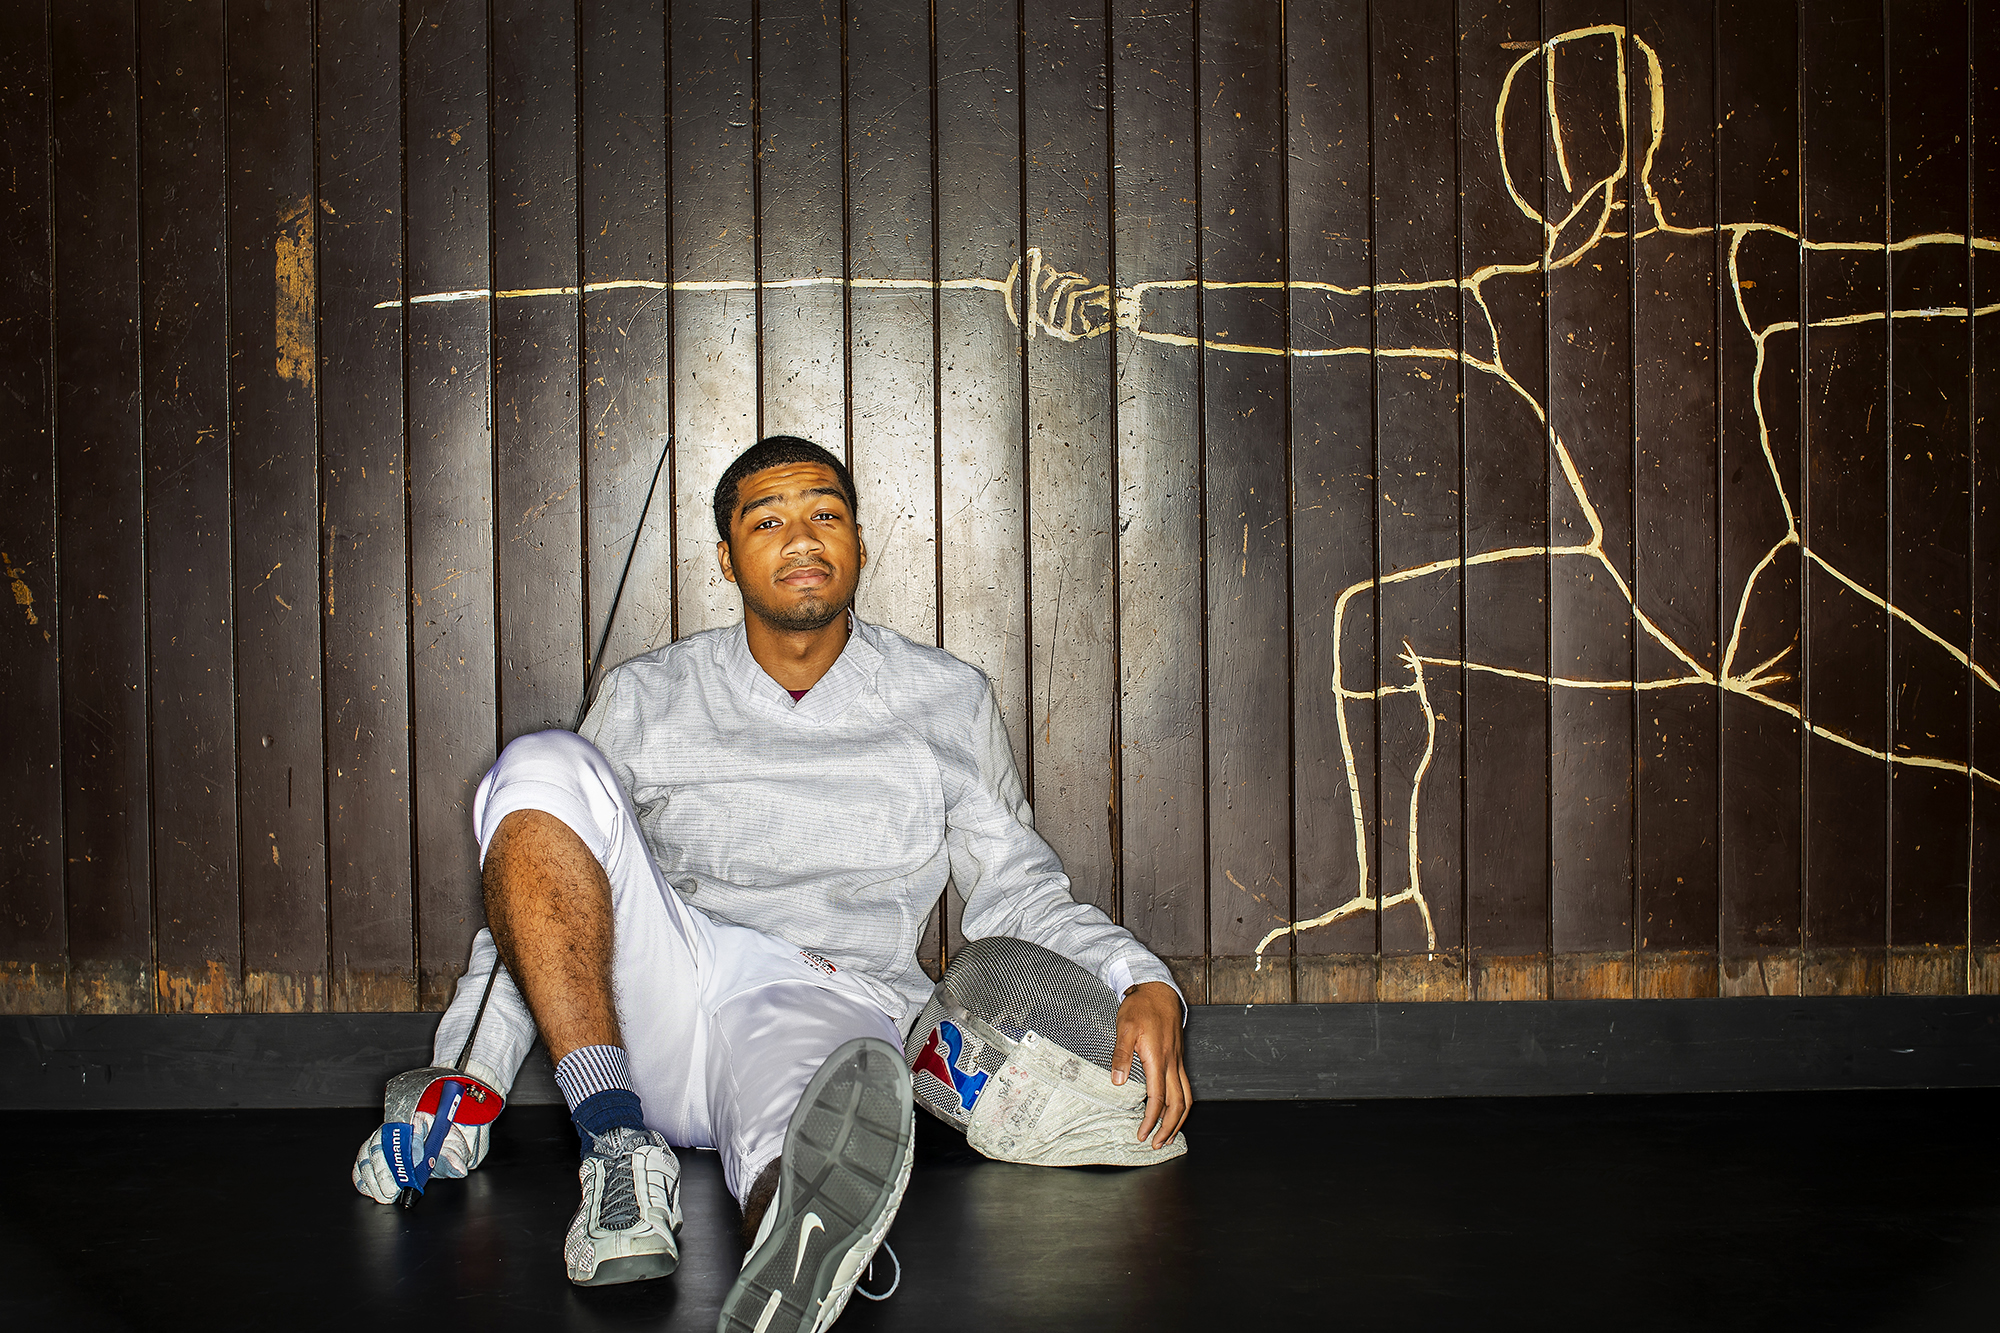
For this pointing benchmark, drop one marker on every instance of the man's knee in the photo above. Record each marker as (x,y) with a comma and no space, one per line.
(557,772)
(550,756)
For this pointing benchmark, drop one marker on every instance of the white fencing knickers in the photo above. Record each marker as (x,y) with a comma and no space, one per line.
(723,1024)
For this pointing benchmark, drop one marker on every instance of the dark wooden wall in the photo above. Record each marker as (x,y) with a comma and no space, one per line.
(1458,498)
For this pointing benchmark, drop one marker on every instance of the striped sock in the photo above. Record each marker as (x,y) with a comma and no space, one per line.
(589,1070)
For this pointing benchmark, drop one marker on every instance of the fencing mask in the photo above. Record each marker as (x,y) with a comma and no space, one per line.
(1014,1048)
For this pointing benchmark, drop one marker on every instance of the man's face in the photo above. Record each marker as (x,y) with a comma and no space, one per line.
(794,549)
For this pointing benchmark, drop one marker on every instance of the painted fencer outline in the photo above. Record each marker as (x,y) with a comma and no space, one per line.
(1749,683)
(1052,302)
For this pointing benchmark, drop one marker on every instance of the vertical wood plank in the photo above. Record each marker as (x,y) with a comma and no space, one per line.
(983,598)
(1332,416)
(1845,522)
(100,462)
(1247,497)
(892,338)
(1930,453)
(1420,484)
(802,329)
(274,217)
(623,52)
(1503,313)
(1761,755)
(1674,500)
(31,781)
(360,254)
(184,349)
(537,393)
(1590,411)
(715,363)
(453,705)
(1985,907)
(982,521)
(1162,800)
(894,438)
(1071,446)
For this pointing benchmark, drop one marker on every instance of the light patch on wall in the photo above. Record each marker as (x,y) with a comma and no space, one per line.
(24,597)
(294,311)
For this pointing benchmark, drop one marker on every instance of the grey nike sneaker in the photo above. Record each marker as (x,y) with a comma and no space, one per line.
(624,1230)
(846,1164)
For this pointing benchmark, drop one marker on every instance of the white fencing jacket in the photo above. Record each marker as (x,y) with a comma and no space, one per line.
(834,823)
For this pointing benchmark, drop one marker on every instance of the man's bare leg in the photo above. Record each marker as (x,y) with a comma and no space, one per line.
(758,1201)
(548,904)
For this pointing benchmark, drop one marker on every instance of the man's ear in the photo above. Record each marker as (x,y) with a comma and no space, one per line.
(864,549)
(722,558)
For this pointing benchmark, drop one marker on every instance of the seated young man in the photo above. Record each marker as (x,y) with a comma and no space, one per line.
(710,901)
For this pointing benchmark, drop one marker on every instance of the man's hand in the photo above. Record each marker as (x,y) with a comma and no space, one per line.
(1149,1025)
(472,1098)
(464,1147)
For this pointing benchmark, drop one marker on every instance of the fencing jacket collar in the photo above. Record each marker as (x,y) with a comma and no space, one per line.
(852,673)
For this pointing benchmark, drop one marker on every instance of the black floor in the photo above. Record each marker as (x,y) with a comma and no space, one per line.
(1772,1212)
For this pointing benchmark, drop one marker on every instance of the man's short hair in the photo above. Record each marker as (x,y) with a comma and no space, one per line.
(776,451)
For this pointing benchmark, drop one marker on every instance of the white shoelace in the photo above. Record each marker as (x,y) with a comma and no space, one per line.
(894,1282)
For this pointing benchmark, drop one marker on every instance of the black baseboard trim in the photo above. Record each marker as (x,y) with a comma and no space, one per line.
(1540,1048)
(1235,1052)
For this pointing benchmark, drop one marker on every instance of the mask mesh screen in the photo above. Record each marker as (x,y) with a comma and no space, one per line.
(1016,987)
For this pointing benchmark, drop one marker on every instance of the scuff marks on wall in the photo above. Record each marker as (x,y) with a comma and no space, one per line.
(32,988)
(210,988)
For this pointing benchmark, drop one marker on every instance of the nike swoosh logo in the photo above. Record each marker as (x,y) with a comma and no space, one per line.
(806,1228)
